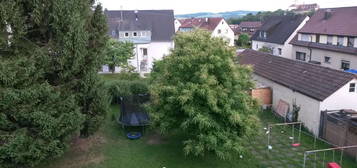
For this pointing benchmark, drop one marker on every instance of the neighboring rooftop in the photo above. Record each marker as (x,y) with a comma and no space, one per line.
(159,22)
(311,80)
(304,7)
(202,23)
(250,24)
(333,21)
(279,28)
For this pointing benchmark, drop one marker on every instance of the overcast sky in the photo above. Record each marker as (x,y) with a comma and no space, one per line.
(191,6)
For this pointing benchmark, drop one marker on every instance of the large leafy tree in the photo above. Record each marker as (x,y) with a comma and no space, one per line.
(118,53)
(198,89)
(50,52)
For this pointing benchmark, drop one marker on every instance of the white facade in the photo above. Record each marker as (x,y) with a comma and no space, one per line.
(283,50)
(341,99)
(154,51)
(177,25)
(224,31)
(310,109)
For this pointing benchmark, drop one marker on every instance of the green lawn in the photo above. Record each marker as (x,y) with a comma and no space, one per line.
(109,148)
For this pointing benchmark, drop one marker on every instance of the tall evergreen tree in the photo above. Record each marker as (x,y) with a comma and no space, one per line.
(50,52)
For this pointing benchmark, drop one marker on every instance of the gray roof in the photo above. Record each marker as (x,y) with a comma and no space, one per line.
(159,22)
(311,80)
(279,28)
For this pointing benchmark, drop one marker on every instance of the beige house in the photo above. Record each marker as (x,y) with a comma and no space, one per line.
(329,39)
(311,87)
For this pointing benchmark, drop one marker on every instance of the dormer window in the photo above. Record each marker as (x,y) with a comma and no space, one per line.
(340,41)
(329,40)
(351,42)
(306,37)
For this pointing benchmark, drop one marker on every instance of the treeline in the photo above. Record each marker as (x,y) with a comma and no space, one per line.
(262,16)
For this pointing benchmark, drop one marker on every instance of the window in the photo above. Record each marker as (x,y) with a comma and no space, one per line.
(329,40)
(306,37)
(279,51)
(350,42)
(143,33)
(340,41)
(135,34)
(301,56)
(145,51)
(317,38)
(244,29)
(126,34)
(352,87)
(261,34)
(226,31)
(113,33)
(219,31)
(257,46)
(327,59)
(252,30)
(264,35)
(345,65)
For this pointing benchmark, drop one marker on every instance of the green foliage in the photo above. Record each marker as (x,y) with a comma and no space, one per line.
(266,50)
(200,90)
(126,88)
(118,53)
(260,16)
(50,51)
(243,40)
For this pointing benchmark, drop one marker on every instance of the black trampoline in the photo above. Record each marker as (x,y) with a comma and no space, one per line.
(133,115)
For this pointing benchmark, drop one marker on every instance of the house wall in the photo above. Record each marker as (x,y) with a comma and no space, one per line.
(286,47)
(319,55)
(226,32)
(177,25)
(310,108)
(341,99)
(155,50)
(256,45)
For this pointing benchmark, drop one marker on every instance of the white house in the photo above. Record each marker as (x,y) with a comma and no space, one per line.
(218,26)
(151,31)
(311,87)
(329,39)
(276,33)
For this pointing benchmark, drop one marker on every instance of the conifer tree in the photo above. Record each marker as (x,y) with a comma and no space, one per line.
(199,90)
(50,52)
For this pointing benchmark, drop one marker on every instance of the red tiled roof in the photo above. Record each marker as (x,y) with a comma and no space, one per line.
(250,24)
(210,24)
(339,21)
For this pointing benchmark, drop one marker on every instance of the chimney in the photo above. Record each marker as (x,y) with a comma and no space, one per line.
(328,14)
(206,19)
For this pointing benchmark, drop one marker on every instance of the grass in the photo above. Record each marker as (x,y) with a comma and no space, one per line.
(109,148)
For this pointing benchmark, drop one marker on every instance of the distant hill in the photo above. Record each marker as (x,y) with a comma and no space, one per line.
(226,15)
